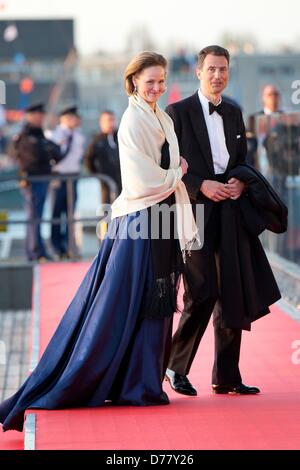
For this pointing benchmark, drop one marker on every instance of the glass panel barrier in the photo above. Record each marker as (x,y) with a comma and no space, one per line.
(278,158)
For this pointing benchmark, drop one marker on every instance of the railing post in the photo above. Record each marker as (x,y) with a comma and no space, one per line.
(72,247)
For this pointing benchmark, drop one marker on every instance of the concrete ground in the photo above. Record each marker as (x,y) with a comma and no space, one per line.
(14,350)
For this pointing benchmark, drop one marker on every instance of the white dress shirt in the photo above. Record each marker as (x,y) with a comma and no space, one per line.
(215,129)
(71,163)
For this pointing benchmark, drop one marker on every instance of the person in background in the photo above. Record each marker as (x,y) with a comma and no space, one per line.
(64,193)
(102,155)
(35,155)
(270,98)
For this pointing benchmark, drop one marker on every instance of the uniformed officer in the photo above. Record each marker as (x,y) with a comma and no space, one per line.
(64,192)
(35,155)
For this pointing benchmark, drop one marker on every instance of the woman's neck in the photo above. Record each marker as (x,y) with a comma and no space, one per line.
(151,104)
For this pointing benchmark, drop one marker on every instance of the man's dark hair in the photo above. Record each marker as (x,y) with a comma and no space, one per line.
(214,50)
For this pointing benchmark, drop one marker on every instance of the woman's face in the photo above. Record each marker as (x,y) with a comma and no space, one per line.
(150,83)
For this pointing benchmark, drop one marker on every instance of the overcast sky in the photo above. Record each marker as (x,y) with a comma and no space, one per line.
(105,24)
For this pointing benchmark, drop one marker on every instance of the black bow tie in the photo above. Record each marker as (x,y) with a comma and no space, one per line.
(219,108)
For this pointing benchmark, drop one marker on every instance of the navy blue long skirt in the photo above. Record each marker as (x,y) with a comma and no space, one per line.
(102,349)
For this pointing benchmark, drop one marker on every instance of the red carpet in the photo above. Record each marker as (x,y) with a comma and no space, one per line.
(268,421)
(11,440)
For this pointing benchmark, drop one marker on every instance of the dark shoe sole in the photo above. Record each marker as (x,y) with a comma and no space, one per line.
(232,392)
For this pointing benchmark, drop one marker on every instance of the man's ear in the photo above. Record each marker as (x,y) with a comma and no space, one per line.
(198,72)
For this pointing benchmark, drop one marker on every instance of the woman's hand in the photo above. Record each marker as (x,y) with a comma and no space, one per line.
(184,165)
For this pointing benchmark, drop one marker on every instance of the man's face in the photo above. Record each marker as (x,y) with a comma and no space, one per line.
(107,123)
(214,74)
(35,118)
(69,120)
(271,98)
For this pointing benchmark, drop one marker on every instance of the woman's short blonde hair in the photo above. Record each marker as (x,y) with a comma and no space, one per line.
(138,64)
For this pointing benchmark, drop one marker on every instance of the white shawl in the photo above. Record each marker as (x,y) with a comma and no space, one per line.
(141,135)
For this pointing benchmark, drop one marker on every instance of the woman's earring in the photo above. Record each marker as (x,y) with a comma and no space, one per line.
(135,89)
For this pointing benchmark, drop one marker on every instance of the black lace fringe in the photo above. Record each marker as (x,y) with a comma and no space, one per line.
(160,300)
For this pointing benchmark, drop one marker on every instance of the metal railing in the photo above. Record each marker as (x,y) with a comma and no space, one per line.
(12,183)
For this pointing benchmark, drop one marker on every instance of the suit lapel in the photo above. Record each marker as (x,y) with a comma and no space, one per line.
(230,135)
(200,129)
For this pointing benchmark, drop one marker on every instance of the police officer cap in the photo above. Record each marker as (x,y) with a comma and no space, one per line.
(69,110)
(35,108)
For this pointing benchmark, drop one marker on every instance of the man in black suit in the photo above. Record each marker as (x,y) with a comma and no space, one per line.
(102,155)
(212,138)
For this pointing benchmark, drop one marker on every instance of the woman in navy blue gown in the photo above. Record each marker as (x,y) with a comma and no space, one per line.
(113,341)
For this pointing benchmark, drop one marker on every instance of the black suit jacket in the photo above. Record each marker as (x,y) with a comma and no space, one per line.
(100,157)
(33,152)
(194,145)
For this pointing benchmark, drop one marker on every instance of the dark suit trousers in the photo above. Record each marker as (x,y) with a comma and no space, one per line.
(202,297)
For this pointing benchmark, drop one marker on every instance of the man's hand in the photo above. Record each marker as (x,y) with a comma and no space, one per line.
(236,187)
(215,191)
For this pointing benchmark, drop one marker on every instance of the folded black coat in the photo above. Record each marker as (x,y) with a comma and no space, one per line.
(248,285)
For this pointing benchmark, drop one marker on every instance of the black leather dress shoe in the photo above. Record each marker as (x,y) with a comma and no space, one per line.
(180,383)
(240,389)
